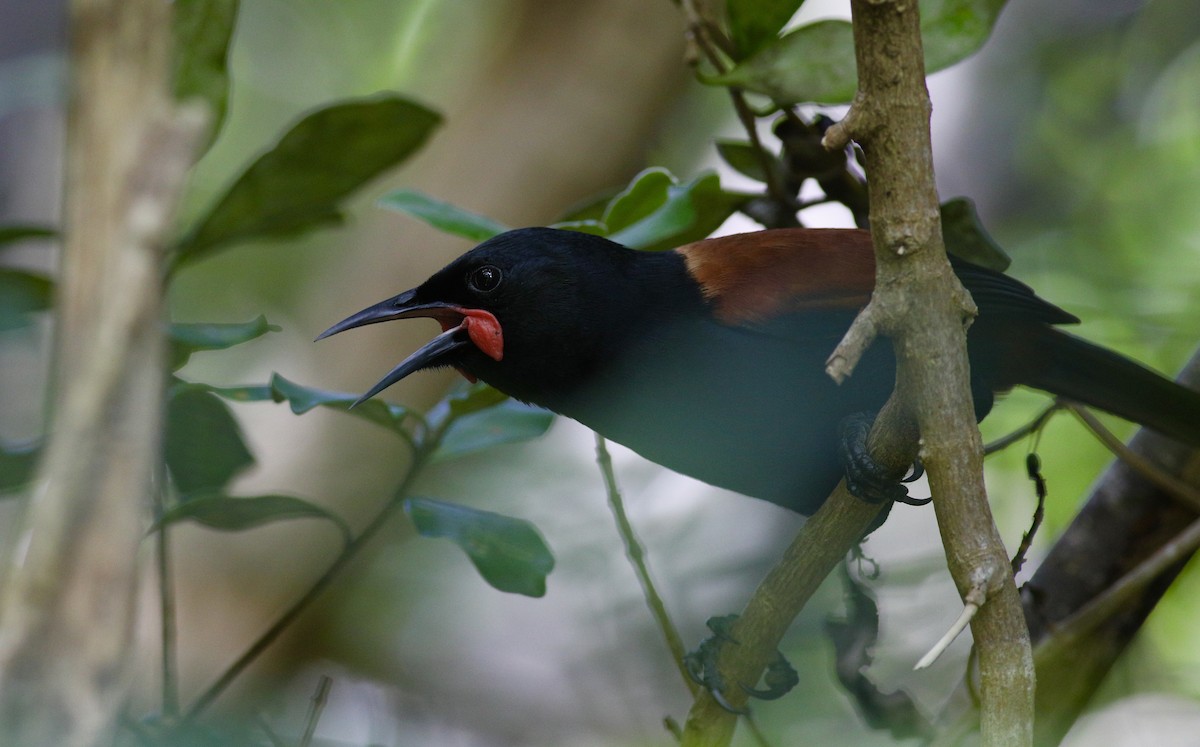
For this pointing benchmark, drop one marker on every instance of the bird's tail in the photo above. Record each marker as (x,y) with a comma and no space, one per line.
(1078,370)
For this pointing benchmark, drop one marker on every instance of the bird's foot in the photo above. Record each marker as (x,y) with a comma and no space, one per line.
(866,479)
(780,677)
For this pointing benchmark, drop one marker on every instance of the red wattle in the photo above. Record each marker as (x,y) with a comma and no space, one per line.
(484,330)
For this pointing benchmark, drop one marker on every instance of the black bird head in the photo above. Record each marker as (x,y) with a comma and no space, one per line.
(534,311)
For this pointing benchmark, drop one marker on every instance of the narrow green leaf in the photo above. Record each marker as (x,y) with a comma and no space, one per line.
(11,234)
(204,447)
(303,398)
(21,294)
(753,23)
(966,237)
(507,422)
(188,338)
(442,215)
(300,182)
(234,514)
(815,63)
(509,553)
(17,461)
(201,30)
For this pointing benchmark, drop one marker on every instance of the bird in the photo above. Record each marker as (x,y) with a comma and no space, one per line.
(709,359)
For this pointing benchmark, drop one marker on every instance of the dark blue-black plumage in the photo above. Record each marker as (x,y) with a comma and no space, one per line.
(710,359)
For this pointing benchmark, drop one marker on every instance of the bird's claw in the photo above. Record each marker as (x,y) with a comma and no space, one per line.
(866,479)
(779,678)
(701,665)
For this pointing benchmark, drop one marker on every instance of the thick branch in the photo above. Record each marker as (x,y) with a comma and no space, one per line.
(1126,523)
(919,303)
(69,599)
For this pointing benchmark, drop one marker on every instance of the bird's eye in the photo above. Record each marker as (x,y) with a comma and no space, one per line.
(484,279)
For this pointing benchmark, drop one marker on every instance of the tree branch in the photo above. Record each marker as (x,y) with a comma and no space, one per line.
(69,599)
(919,303)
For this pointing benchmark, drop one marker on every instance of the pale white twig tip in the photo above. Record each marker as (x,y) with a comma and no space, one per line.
(964,619)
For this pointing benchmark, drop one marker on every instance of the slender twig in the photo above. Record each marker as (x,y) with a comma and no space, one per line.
(1076,627)
(319,700)
(348,553)
(1034,467)
(637,558)
(166,604)
(974,599)
(1136,462)
(712,44)
(1033,426)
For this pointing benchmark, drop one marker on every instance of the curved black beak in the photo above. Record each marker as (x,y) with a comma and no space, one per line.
(432,353)
(404,306)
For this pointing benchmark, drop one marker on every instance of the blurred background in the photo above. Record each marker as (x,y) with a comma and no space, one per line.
(1076,130)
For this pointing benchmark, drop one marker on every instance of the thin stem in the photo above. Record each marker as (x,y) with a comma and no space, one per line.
(166,606)
(319,700)
(1138,463)
(1032,426)
(1104,606)
(348,553)
(712,43)
(637,558)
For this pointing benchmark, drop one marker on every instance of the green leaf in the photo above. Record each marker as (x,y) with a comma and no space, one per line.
(644,195)
(507,422)
(190,338)
(815,63)
(966,237)
(684,213)
(204,447)
(201,30)
(303,398)
(591,209)
(463,399)
(442,215)
(21,294)
(743,158)
(474,398)
(509,553)
(13,233)
(593,227)
(952,30)
(251,393)
(300,183)
(233,514)
(753,23)
(17,461)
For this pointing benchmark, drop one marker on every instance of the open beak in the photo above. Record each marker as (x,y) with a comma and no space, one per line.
(461,328)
